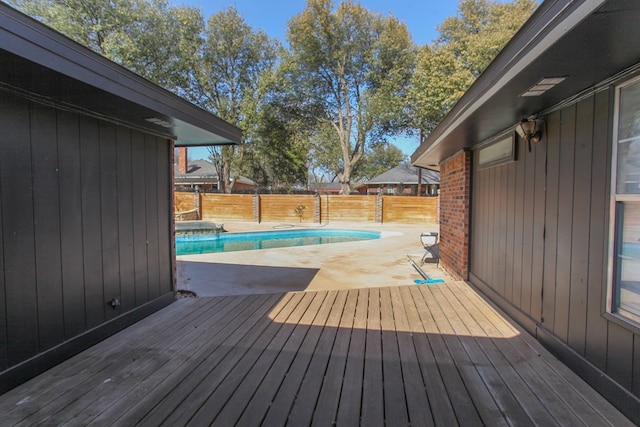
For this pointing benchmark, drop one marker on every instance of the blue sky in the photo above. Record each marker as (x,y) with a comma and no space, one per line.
(421,17)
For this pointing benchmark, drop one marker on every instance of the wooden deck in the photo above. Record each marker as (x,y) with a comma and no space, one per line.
(414,355)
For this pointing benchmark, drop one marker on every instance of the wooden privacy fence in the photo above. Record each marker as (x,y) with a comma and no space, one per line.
(305,208)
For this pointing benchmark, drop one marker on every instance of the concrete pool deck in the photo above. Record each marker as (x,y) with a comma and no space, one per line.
(363,264)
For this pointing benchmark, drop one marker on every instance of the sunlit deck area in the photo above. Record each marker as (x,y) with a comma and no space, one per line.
(404,355)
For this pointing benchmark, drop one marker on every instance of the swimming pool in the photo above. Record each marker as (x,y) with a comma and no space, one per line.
(187,244)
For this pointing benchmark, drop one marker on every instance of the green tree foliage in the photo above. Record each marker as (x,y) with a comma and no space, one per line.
(349,79)
(231,75)
(326,162)
(325,154)
(468,42)
(352,64)
(276,159)
(151,38)
(162,46)
(380,157)
(440,79)
(481,29)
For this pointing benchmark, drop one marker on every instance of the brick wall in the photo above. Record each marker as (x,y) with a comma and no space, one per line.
(183,160)
(455,180)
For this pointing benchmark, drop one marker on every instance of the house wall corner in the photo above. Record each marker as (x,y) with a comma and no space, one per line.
(455,196)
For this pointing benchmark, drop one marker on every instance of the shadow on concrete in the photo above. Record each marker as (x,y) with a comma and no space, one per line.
(209,279)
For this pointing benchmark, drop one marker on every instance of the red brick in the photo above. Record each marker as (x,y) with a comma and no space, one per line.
(455,178)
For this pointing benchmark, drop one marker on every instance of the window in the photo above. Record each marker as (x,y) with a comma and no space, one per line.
(497,153)
(624,292)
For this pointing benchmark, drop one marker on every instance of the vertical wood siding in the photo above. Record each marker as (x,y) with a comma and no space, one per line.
(84,217)
(46,218)
(18,232)
(540,234)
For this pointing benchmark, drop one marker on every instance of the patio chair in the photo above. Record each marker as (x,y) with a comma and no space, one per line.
(429,240)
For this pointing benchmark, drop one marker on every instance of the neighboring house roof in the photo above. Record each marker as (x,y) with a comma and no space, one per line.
(326,186)
(404,174)
(81,80)
(245,180)
(204,170)
(588,42)
(198,169)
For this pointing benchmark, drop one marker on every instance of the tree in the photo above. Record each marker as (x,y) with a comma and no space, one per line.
(276,158)
(468,42)
(353,64)
(278,154)
(162,46)
(325,154)
(149,37)
(230,81)
(440,79)
(481,29)
(380,157)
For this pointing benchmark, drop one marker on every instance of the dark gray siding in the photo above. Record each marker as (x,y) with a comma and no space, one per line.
(539,236)
(84,218)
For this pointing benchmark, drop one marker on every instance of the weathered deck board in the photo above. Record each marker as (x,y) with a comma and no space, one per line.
(349,408)
(281,405)
(414,387)
(149,390)
(511,395)
(372,413)
(307,397)
(259,404)
(235,405)
(174,387)
(438,402)
(215,371)
(539,404)
(395,407)
(99,371)
(464,408)
(245,376)
(551,381)
(415,355)
(330,393)
(478,393)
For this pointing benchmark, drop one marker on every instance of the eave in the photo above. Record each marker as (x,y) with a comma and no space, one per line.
(43,64)
(586,41)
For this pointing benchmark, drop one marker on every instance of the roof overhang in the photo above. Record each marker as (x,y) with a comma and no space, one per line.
(43,64)
(586,41)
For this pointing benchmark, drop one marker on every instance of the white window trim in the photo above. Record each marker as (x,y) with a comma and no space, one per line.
(626,319)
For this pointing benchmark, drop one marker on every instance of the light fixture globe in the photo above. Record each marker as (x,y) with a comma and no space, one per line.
(529,130)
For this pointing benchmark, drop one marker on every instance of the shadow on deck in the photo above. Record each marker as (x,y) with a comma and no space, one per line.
(408,355)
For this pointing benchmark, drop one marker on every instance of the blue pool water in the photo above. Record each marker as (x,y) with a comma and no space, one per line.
(631,250)
(228,242)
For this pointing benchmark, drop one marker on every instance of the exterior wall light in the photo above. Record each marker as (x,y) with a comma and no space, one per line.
(530,130)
